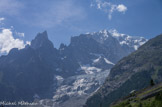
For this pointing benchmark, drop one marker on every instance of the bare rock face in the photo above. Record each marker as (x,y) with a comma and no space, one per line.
(133,72)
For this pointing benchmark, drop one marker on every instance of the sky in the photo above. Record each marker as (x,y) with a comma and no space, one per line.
(21,20)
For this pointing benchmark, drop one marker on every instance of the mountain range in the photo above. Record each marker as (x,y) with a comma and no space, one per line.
(67,76)
(133,72)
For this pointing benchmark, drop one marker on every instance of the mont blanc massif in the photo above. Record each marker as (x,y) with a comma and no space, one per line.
(94,70)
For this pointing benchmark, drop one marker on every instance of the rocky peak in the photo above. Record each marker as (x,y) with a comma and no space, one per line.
(41,40)
(62,46)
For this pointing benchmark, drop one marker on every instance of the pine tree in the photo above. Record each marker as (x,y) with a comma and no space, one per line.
(100,104)
(152,82)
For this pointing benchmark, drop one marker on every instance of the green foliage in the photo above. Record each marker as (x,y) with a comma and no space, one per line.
(124,104)
(159,97)
(155,101)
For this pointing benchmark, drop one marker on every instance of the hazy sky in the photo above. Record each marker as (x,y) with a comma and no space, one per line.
(21,20)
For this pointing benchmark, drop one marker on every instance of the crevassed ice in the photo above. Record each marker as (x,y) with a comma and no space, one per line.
(90,70)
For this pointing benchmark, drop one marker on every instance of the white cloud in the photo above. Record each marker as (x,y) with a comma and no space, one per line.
(28,43)
(20,34)
(112,9)
(7,41)
(108,7)
(121,8)
(10,7)
(99,6)
(2,18)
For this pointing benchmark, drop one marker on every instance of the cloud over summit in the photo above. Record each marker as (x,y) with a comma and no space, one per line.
(108,7)
(7,40)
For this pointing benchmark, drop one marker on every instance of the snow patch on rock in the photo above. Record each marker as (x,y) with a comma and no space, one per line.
(108,62)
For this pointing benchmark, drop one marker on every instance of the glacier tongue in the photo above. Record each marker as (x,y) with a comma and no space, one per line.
(77,87)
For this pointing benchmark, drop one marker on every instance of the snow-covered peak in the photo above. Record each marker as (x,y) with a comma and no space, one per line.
(100,36)
(123,39)
(131,41)
(115,33)
(104,33)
